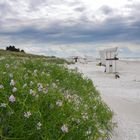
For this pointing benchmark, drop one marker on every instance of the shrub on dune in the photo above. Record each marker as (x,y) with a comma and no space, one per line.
(44,101)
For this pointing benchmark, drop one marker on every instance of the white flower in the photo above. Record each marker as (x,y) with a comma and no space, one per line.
(38,126)
(27,114)
(14,89)
(64,128)
(7,65)
(39,84)
(40,89)
(77,121)
(35,71)
(2,105)
(12,98)
(59,103)
(89,132)
(11,75)
(54,85)
(1,86)
(12,83)
(45,90)
(31,83)
(32,91)
(85,116)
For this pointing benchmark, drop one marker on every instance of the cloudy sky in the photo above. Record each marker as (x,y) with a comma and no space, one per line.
(71,27)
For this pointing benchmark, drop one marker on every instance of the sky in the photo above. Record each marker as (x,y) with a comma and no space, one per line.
(71,27)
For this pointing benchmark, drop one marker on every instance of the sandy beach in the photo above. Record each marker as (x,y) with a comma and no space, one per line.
(122,95)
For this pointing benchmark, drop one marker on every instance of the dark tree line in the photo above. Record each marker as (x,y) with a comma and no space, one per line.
(14,49)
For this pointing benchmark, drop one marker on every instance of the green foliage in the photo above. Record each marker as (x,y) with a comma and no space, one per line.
(51,59)
(49,102)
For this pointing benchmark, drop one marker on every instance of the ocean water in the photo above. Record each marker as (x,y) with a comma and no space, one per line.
(130,58)
(120,58)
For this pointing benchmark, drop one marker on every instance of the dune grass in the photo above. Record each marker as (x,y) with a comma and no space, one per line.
(41,100)
(51,59)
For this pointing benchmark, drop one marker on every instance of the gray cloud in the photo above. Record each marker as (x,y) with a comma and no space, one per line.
(77,29)
(80,8)
(106,9)
(113,29)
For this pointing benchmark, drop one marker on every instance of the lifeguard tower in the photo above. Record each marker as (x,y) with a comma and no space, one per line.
(109,60)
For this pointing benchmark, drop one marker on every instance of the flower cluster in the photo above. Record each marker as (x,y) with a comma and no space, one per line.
(85,116)
(12,82)
(40,87)
(14,89)
(45,98)
(12,98)
(7,65)
(38,126)
(59,103)
(2,105)
(64,128)
(1,86)
(27,114)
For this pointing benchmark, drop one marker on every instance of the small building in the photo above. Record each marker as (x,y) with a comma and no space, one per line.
(109,60)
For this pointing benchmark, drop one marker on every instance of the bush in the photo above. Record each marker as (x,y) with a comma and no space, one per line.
(14,49)
(44,101)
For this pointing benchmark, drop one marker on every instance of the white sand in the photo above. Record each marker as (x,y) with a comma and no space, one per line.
(122,95)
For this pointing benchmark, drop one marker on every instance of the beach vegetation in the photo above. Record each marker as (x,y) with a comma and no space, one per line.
(41,99)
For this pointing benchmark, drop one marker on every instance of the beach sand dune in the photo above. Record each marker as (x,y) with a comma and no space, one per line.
(122,95)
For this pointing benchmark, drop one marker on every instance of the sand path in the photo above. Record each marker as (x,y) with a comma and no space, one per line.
(122,95)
